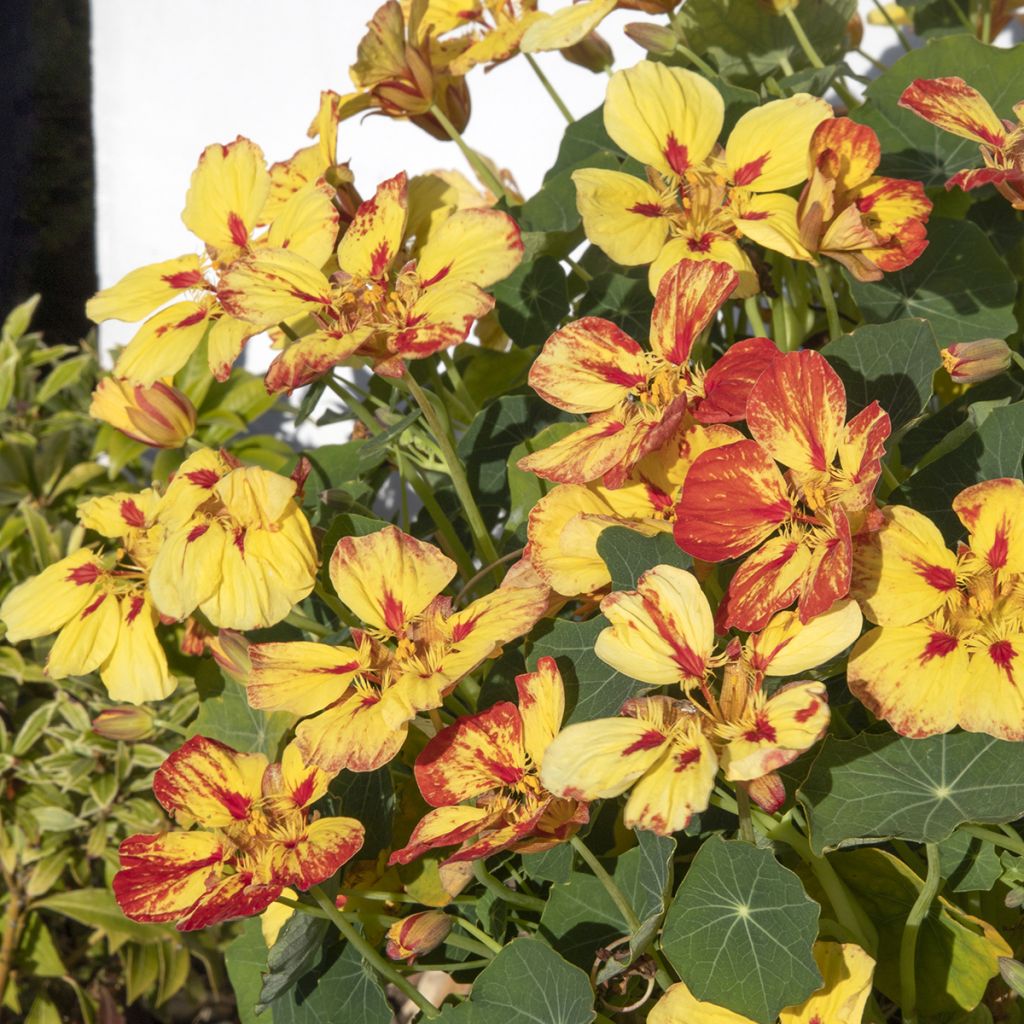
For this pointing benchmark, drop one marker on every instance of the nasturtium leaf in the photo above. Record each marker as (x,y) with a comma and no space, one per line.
(623,298)
(532,301)
(246,961)
(592,688)
(880,786)
(749,41)
(913,148)
(335,464)
(526,489)
(968,863)
(994,449)
(554,865)
(369,797)
(297,947)
(740,930)
(959,284)
(629,554)
(489,374)
(892,364)
(553,207)
(526,983)
(957,954)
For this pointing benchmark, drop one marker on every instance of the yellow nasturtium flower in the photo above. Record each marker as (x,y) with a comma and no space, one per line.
(699,198)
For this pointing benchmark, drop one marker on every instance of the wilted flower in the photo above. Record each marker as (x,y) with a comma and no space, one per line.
(971,362)
(159,416)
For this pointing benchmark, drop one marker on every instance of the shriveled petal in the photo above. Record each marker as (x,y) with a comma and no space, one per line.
(273,285)
(847,972)
(475,246)
(667,118)
(767,150)
(954,106)
(732,499)
(787,646)
(541,707)
(621,214)
(769,579)
(443,826)
(912,677)
(371,242)
(495,45)
(588,366)
(86,640)
(796,411)
(210,783)
(300,677)
(228,189)
(352,735)
(387,578)
(136,670)
(993,512)
(141,291)
(679,1006)
(475,755)
(903,571)
(689,296)
(163,344)
(316,853)
(994,703)
(566,27)
(771,220)
(730,379)
(662,632)
(307,224)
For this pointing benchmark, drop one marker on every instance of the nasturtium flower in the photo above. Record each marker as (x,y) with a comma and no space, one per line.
(100,604)
(736,498)
(971,362)
(636,399)
(417,934)
(481,777)
(411,652)
(699,199)
(565,525)
(159,416)
(379,305)
(950,627)
(867,223)
(847,972)
(229,190)
(956,107)
(256,837)
(237,546)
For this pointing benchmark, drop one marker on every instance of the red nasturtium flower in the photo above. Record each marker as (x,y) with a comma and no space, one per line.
(867,223)
(492,760)
(411,652)
(956,107)
(636,399)
(736,498)
(950,628)
(257,837)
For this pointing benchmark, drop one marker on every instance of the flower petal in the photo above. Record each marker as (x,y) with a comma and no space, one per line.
(541,707)
(993,512)
(689,296)
(954,106)
(136,670)
(163,344)
(371,242)
(787,646)
(768,580)
(316,853)
(300,677)
(996,702)
(273,285)
(474,246)
(730,379)
(622,215)
(142,290)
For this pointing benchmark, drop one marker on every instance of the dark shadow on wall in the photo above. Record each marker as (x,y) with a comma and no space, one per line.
(47,242)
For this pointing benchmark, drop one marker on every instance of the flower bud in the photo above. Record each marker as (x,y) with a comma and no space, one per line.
(854,32)
(230,650)
(124,723)
(591,52)
(970,362)
(658,40)
(159,416)
(417,934)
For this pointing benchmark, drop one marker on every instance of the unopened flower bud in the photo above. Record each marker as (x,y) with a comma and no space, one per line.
(591,52)
(854,32)
(452,98)
(124,723)
(659,40)
(230,650)
(417,934)
(970,362)
(159,416)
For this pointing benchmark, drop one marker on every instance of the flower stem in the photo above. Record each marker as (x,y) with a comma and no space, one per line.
(829,299)
(300,621)
(452,371)
(812,56)
(362,413)
(584,275)
(371,956)
(483,171)
(551,91)
(616,894)
(753,312)
(471,583)
(503,892)
(995,838)
(908,941)
(481,538)
(479,933)
(697,62)
(743,813)
(900,34)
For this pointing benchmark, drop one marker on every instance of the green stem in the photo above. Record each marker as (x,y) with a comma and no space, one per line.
(304,907)
(616,894)
(696,61)
(890,480)
(908,941)
(470,946)
(483,171)
(479,933)
(362,413)
(835,328)
(995,838)
(753,312)
(474,580)
(458,383)
(300,621)
(584,275)
(162,723)
(986,21)
(812,56)
(481,538)
(503,892)
(550,89)
(371,956)
(743,813)
(900,34)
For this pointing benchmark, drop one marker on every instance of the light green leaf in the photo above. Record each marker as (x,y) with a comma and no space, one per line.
(246,961)
(19,318)
(740,931)
(98,909)
(63,375)
(968,863)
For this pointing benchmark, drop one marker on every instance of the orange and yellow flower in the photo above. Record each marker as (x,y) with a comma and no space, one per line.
(378,305)
(956,107)
(159,416)
(867,223)
(257,837)
(736,499)
(482,777)
(949,627)
(635,399)
(699,199)
(412,651)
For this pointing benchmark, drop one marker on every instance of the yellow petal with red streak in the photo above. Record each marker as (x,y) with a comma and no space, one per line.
(706,246)
(163,344)
(689,296)
(309,358)
(679,1006)
(304,784)
(847,972)
(475,246)
(994,702)
(541,707)
(115,515)
(300,677)
(667,118)
(387,578)
(188,568)
(316,852)
(191,486)
(307,224)
(662,632)
(371,242)
(496,44)
(136,670)
(227,192)
(622,215)
(441,317)
(567,26)
(273,285)
(352,735)
(586,454)
(86,640)
(255,496)
(767,150)
(913,677)
(787,646)
(141,291)
(954,106)
(993,512)
(768,579)
(443,826)
(846,152)
(771,220)
(224,344)
(860,455)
